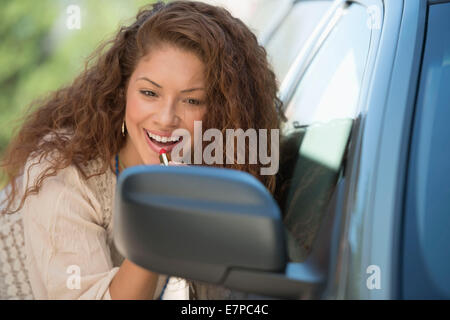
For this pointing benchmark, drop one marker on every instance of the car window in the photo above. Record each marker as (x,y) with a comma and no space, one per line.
(330,87)
(285,44)
(426,253)
(320,116)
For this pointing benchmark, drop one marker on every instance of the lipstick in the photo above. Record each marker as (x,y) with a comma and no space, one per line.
(163,157)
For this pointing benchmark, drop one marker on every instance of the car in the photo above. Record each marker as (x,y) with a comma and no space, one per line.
(362,206)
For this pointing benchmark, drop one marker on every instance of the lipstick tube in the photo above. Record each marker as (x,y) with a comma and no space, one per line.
(163,157)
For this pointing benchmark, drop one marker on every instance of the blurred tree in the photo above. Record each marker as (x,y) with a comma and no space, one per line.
(25,46)
(39,53)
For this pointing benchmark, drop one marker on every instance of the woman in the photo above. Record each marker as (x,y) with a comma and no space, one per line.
(177,63)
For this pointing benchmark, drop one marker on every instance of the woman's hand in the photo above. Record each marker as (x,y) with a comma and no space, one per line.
(175,163)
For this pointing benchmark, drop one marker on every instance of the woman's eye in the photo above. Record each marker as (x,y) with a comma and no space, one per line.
(193,101)
(148,93)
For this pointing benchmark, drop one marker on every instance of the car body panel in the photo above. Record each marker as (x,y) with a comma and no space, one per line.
(374,197)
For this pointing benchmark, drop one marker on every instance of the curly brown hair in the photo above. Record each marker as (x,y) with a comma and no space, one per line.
(241,91)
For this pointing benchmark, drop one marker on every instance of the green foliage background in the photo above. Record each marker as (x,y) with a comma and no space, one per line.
(39,53)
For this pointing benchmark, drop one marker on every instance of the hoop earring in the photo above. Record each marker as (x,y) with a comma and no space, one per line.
(123,128)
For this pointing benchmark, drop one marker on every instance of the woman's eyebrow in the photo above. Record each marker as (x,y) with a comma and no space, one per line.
(147,79)
(159,86)
(193,89)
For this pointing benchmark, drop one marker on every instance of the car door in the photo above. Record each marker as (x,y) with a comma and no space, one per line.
(371,261)
(324,93)
(425,258)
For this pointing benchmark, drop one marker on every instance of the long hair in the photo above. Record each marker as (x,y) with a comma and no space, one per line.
(241,91)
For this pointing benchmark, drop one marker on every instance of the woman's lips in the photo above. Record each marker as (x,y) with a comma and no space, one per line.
(157,148)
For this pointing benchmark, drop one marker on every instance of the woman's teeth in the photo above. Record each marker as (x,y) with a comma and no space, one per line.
(162,139)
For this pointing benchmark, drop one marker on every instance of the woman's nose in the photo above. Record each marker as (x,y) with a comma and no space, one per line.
(166,115)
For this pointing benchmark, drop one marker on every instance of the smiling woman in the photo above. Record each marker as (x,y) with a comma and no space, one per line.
(176,64)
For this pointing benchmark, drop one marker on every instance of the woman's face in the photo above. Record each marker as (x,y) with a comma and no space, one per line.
(165,92)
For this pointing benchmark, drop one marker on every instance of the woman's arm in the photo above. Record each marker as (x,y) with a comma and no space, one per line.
(132,282)
(68,256)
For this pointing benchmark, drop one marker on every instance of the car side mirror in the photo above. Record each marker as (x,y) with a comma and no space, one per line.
(214,225)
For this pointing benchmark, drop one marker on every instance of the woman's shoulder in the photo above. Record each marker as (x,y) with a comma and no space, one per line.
(84,182)
(51,162)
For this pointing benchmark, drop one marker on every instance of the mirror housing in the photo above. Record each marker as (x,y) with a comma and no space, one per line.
(198,222)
